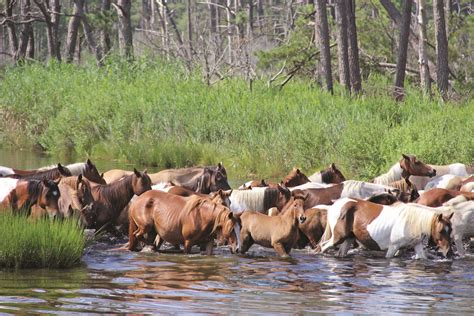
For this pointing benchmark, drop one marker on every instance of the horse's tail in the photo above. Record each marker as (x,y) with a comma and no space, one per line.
(325,237)
(270,199)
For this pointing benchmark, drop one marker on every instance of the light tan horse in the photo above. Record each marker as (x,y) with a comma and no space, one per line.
(279,232)
(157,216)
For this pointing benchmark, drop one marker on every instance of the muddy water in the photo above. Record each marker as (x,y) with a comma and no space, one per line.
(124,282)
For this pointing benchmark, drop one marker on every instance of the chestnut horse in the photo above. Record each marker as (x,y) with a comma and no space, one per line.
(382,227)
(329,175)
(279,232)
(158,216)
(406,167)
(111,199)
(24,194)
(436,197)
(219,197)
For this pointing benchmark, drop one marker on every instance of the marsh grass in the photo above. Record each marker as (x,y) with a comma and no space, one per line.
(40,244)
(155,113)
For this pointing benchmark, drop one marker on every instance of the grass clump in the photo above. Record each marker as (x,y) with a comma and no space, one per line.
(40,244)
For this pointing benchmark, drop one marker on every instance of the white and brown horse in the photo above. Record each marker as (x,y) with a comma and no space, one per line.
(408,166)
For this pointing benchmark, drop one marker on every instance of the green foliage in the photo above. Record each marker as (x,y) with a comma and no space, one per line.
(39,244)
(156,114)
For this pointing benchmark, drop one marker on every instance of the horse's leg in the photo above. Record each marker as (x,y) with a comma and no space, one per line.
(345,247)
(420,251)
(280,250)
(459,245)
(392,249)
(209,247)
(247,242)
(158,242)
(187,246)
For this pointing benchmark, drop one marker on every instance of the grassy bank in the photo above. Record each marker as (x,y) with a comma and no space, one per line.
(154,113)
(39,244)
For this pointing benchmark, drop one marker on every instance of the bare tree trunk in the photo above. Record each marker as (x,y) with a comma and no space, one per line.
(322,29)
(402,50)
(447,14)
(441,48)
(342,47)
(55,7)
(354,68)
(89,34)
(190,28)
(260,14)
(12,39)
(105,43)
(31,45)
(26,31)
(74,22)
(423,59)
(146,14)
(123,8)
(250,19)
(229,31)
(52,47)
(212,18)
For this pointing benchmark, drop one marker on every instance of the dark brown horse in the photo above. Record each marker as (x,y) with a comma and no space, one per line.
(158,216)
(30,193)
(111,199)
(50,174)
(437,196)
(329,175)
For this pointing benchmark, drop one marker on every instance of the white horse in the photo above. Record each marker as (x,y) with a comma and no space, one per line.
(362,190)
(390,227)
(455,169)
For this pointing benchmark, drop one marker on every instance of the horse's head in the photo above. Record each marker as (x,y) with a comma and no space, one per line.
(284,196)
(213,179)
(332,175)
(297,206)
(221,197)
(63,171)
(295,178)
(441,233)
(224,226)
(92,174)
(383,198)
(48,198)
(415,167)
(84,191)
(141,182)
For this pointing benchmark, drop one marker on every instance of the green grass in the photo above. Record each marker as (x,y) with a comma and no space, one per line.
(40,244)
(155,113)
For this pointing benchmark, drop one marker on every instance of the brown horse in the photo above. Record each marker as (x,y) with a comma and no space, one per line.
(407,166)
(313,228)
(382,227)
(279,232)
(436,197)
(43,194)
(219,197)
(329,175)
(50,174)
(295,178)
(158,216)
(111,199)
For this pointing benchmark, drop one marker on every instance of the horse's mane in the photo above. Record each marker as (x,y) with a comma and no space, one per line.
(355,186)
(115,190)
(44,175)
(393,174)
(418,218)
(77,168)
(270,198)
(252,199)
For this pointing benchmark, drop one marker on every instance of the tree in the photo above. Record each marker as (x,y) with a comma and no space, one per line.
(26,32)
(123,8)
(425,79)
(12,39)
(442,69)
(354,68)
(342,47)
(74,22)
(105,43)
(402,50)
(51,26)
(322,29)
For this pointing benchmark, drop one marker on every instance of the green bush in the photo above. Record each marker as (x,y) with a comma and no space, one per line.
(39,244)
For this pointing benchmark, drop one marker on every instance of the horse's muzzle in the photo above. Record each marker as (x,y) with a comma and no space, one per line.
(432,173)
(302,219)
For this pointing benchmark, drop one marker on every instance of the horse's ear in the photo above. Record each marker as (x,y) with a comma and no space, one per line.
(137,173)
(89,162)
(298,171)
(219,165)
(439,218)
(230,215)
(220,192)
(405,157)
(57,180)
(333,166)
(450,215)
(79,180)
(145,171)
(229,193)
(102,175)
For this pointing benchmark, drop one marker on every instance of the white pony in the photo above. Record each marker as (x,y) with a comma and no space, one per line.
(397,226)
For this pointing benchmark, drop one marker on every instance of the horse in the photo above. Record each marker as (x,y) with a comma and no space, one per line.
(158,216)
(219,197)
(87,169)
(329,175)
(27,193)
(383,227)
(313,228)
(294,178)
(436,197)
(456,169)
(111,199)
(406,167)
(259,199)
(279,232)
(48,174)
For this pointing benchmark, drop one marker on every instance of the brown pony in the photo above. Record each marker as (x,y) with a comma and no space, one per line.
(110,199)
(279,232)
(437,196)
(50,174)
(295,178)
(43,194)
(219,197)
(158,216)
(329,175)
(313,228)
(408,166)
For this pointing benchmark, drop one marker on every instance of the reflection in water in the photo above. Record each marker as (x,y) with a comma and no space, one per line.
(126,282)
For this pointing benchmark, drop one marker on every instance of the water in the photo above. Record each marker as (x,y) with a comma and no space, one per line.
(259,283)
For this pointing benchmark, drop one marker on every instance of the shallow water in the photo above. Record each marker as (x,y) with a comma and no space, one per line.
(258,283)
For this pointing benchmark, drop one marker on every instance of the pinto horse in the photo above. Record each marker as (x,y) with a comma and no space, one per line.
(279,232)
(259,199)
(406,167)
(329,175)
(436,197)
(111,199)
(24,194)
(158,216)
(382,227)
